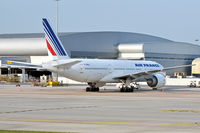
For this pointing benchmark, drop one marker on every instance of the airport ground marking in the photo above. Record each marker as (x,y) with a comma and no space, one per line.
(48,109)
(188,111)
(101,122)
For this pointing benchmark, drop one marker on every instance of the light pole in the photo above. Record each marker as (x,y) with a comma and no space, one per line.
(56,74)
(57,16)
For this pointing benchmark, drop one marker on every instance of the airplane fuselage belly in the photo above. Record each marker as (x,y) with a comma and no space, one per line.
(98,70)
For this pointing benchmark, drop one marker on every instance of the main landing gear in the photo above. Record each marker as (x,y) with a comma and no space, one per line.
(92,88)
(127,89)
(128,86)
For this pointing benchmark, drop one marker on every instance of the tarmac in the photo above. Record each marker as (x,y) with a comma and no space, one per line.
(172,109)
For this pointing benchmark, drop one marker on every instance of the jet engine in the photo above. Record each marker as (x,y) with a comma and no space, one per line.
(156,81)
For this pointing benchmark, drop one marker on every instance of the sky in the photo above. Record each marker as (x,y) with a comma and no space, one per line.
(177,20)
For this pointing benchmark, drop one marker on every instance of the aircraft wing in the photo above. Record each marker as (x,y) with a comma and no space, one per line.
(17,64)
(21,63)
(20,67)
(146,73)
(136,75)
(175,67)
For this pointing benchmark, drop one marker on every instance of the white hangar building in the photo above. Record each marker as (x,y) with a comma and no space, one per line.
(107,45)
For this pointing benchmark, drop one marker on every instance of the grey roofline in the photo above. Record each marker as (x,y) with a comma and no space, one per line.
(39,35)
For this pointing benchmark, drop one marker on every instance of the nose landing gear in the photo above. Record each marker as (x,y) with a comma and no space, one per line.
(92,88)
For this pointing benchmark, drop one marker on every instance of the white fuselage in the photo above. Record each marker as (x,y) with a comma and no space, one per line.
(102,70)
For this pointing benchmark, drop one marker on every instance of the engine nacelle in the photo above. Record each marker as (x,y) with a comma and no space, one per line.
(156,81)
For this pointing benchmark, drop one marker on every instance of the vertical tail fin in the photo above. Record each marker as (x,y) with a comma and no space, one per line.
(54,45)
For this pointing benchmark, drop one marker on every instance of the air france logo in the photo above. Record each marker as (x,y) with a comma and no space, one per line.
(147,65)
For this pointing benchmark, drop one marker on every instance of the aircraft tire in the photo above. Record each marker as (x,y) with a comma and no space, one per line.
(92,89)
(122,90)
(88,89)
(127,89)
(131,89)
(97,89)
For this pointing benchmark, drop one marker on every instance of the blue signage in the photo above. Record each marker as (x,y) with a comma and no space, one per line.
(147,65)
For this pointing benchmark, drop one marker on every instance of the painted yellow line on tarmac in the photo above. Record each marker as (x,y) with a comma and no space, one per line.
(99,122)
(191,111)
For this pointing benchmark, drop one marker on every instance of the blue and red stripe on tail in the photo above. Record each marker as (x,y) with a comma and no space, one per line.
(54,45)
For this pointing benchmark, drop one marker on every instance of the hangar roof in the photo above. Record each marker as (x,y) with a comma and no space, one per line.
(95,44)
(40,35)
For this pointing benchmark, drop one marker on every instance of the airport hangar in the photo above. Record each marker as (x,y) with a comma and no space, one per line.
(104,45)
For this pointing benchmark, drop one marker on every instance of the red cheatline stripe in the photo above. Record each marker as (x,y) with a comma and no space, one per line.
(50,48)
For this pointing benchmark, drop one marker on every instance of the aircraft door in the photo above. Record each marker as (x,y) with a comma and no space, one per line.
(82,69)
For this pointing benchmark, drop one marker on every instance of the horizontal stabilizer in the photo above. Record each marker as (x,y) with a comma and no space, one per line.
(67,63)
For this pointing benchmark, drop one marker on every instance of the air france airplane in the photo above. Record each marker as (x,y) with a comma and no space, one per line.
(98,72)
